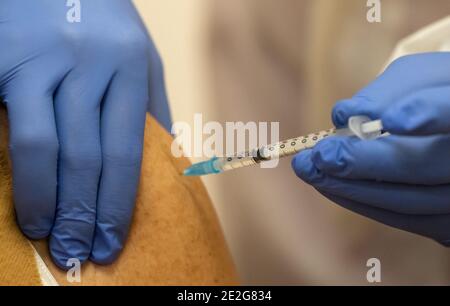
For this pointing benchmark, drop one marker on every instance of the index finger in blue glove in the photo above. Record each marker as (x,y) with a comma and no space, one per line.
(400,198)
(77,107)
(403,77)
(122,133)
(409,160)
(426,112)
(34,146)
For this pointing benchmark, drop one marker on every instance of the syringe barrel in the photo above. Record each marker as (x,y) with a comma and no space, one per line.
(274,151)
(237,161)
(294,146)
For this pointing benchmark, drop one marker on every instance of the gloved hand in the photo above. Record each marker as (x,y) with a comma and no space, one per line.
(76,96)
(401,180)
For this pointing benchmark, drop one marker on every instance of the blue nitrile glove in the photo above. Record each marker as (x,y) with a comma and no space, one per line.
(77,95)
(402,180)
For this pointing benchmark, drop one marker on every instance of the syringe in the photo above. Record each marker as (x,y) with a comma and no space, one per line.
(359,126)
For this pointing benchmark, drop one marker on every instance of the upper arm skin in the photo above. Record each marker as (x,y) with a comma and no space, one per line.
(175,238)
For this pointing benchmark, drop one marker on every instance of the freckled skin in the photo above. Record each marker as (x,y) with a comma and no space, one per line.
(175,237)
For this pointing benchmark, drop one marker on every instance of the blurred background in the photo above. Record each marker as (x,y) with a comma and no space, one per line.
(289,61)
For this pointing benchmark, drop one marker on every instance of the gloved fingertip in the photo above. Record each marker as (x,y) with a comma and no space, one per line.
(64,259)
(35,226)
(405,119)
(108,243)
(104,258)
(356,106)
(392,125)
(339,114)
(33,233)
(330,157)
(300,161)
(71,239)
(106,253)
(305,169)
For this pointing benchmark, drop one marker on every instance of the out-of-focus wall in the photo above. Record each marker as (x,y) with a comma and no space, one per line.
(180,29)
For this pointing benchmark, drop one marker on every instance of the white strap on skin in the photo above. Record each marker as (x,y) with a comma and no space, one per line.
(46,276)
